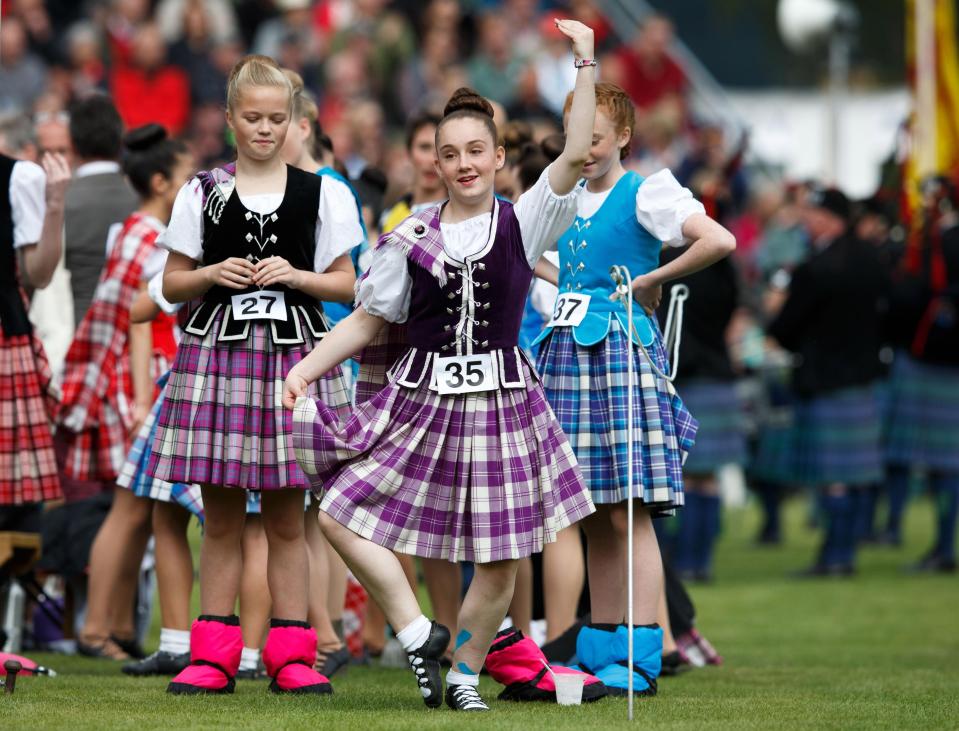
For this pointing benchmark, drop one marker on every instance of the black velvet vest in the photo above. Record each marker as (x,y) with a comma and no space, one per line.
(231,230)
(13,314)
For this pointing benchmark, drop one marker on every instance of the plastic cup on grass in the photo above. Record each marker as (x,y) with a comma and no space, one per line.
(569,688)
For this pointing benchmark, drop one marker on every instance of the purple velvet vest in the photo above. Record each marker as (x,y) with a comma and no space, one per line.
(458,308)
(480,306)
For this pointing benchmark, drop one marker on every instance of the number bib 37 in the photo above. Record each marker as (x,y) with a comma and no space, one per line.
(263,305)
(569,310)
(464,374)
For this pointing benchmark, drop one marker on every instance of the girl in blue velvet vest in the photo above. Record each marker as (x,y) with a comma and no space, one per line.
(622,219)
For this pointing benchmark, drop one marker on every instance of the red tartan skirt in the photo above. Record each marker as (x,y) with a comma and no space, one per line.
(28,404)
(97,454)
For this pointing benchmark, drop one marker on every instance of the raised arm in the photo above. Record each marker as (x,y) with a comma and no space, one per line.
(41,259)
(568,167)
(349,337)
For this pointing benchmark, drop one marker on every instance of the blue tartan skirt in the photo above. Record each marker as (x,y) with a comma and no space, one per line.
(720,439)
(133,474)
(588,388)
(922,424)
(837,438)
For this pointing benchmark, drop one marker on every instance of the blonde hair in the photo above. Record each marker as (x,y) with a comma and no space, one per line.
(256,70)
(305,107)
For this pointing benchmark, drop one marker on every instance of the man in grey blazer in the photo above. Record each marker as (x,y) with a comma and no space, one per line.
(99,198)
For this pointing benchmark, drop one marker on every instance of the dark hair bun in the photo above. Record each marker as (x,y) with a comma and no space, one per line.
(145,137)
(465,99)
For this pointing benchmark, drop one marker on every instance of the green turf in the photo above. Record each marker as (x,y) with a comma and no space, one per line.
(879,651)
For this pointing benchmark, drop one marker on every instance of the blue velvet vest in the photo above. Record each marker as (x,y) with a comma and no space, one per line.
(588,249)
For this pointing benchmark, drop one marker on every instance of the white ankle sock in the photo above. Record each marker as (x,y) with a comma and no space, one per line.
(415,634)
(249,658)
(175,641)
(456,678)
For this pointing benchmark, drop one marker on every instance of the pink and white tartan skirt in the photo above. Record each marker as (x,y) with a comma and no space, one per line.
(222,422)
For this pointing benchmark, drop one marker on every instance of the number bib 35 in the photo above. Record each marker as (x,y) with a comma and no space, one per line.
(569,310)
(264,305)
(464,374)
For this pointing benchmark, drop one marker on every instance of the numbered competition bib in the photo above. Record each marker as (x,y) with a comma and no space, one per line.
(464,373)
(263,305)
(569,310)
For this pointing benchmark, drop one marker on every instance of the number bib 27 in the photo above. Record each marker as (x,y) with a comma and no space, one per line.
(263,305)
(569,310)
(464,373)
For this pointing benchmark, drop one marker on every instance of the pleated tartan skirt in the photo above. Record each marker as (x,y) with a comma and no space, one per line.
(837,438)
(588,388)
(133,474)
(720,439)
(28,405)
(222,421)
(922,424)
(475,477)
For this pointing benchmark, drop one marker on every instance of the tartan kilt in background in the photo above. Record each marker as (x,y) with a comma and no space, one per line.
(133,475)
(922,424)
(475,477)
(100,452)
(837,438)
(587,388)
(222,421)
(720,439)
(772,457)
(28,406)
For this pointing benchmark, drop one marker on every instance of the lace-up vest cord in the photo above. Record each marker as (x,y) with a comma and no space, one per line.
(480,307)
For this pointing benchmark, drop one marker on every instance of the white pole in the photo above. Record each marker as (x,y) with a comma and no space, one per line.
(839,42)
(623,280)
(925,43)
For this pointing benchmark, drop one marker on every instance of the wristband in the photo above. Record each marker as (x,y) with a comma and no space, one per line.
(581,62)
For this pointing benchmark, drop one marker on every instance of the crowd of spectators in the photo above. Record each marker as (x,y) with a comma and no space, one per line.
(370,64)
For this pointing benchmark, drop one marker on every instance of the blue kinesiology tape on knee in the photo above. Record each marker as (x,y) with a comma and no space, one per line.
(462,638)
(462,667)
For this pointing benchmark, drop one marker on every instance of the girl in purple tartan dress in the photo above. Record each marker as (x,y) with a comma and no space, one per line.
(459,455)
(259,242)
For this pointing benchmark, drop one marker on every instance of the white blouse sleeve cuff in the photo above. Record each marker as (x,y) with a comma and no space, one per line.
(184,235)
(543,215)
(663,205)
(385,291)
(155,290)
(338,227)
(28,202)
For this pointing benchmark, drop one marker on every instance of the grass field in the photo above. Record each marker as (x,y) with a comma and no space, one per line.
(878,651)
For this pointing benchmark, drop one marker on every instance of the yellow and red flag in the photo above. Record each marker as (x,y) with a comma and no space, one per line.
(932,67)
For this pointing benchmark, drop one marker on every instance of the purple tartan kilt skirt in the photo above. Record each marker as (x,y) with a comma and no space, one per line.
(588,388)
(222,421)
(922,415)
(477,477)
